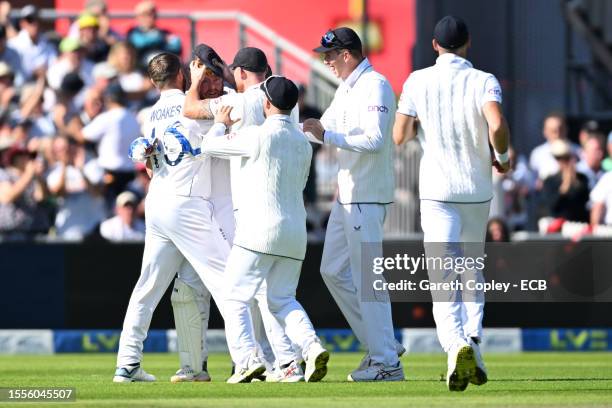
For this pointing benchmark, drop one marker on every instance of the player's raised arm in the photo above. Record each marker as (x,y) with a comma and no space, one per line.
(194,107)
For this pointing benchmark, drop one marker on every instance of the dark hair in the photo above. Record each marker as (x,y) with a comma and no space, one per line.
(505,230)
(555,115)
(164,68)
(357,54)
(597,135)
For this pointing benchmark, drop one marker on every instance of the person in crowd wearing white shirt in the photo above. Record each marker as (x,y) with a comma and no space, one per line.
(36,52)
(11,57)
(359,123)
(71,59)
(592,156)
(456,110)
(8,92)
(113,130)
(124,226)
(270,240)
(77,186)
(122,57)
(601,199)
(541,160)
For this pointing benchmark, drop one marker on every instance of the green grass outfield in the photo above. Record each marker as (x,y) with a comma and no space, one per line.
(526,379)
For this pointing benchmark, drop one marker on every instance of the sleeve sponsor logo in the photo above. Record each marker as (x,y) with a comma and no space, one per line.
(378,108)
(494,91)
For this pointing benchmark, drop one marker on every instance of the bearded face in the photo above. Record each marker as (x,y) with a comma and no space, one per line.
(211,86)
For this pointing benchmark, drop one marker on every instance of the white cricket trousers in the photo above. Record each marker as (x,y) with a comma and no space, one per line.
(455,229)
(349,227)
(246,271)
(178,229)
(274,345)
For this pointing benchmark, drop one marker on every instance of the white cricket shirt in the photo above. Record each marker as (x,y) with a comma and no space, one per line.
(176,170)
(602,193)
(448,98)
(275,161)
(359,122)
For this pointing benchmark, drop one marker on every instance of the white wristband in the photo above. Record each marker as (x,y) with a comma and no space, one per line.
(501,157)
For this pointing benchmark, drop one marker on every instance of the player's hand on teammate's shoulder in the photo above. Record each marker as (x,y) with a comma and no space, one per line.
(223,116)
(315,127)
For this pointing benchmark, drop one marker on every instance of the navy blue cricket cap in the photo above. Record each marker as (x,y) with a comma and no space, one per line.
(209,58)
(281,92)
(341,38)
(251,59)
(451,33)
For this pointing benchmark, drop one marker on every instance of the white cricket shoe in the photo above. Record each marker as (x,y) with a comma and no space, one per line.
(132,374)
(290,374)
(367,359)
(378,372)
(186,374)
(480,373)
(461,367)
(255,368)
(316,363)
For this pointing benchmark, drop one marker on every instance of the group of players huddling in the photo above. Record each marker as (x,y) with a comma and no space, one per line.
(225,214)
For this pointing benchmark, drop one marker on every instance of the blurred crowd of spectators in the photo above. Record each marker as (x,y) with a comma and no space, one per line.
(562,184)
(69,110)
(70,106)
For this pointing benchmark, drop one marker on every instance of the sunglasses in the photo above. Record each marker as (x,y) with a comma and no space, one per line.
(265,86)
(330,40)
(31,19)
(209,73)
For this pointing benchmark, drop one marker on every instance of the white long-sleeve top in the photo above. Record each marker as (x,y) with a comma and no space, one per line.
(448,98)
(248,109)
(176,169)
(274,165)
(359,123)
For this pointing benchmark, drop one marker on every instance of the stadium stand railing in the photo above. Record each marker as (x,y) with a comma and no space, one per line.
(286,58)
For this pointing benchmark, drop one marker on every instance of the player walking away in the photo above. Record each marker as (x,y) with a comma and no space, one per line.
(249,68)
(270,241)
(179,224)
(359,122)
(459,111)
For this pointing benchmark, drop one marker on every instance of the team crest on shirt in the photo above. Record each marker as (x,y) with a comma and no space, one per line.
(176,145)
(173,148)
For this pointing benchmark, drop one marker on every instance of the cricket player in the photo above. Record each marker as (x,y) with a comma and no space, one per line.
(359,123)
(458,109)
(189,292)
(180,225)
(249,68)
(270,241)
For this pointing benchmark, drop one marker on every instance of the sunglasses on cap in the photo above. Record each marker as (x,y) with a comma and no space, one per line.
(265,86)
(209,73)
(330,40)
